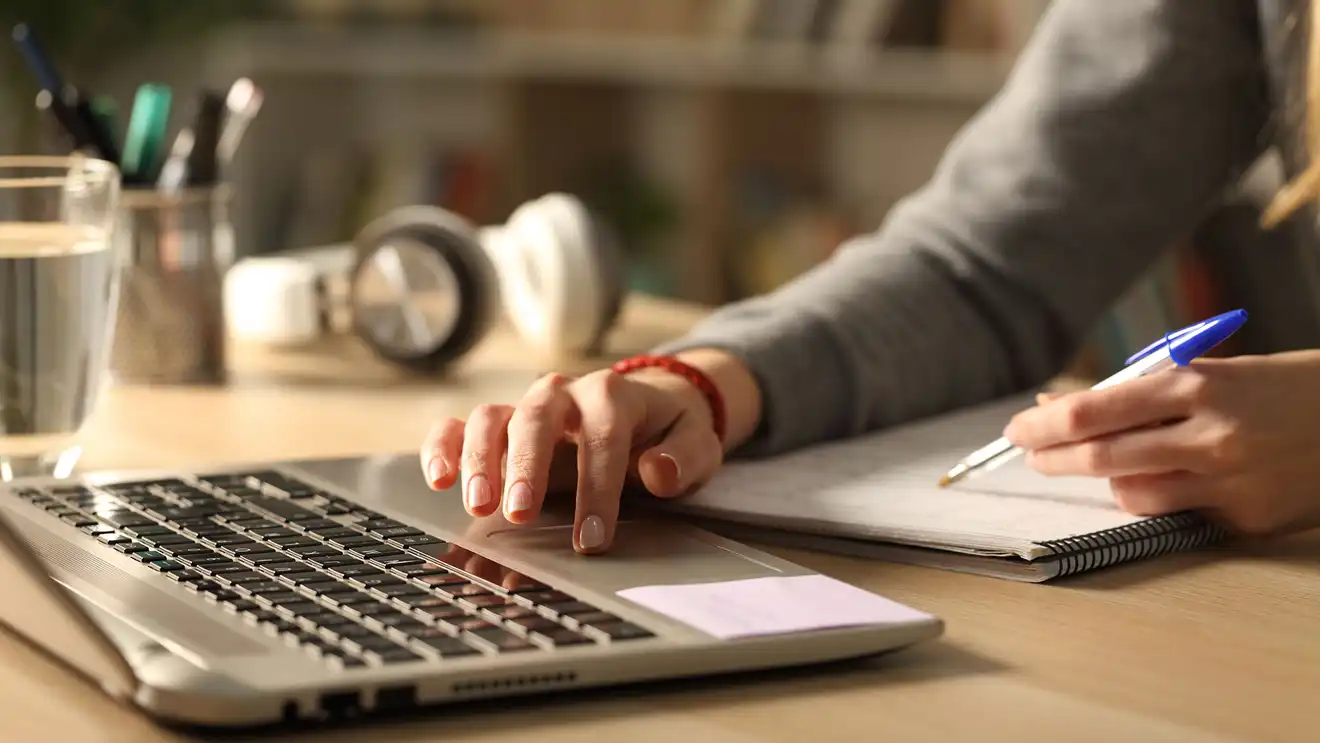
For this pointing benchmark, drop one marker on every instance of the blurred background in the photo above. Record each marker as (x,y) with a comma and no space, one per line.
(733,143)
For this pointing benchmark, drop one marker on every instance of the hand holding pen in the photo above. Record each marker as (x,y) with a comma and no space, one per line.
(1177,349)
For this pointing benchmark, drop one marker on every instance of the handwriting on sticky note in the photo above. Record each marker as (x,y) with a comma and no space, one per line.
(770,606)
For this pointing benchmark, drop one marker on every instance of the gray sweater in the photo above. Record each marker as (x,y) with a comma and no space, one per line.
(1123,125)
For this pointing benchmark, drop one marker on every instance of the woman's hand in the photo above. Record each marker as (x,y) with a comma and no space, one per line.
(591,434)
(1237,438)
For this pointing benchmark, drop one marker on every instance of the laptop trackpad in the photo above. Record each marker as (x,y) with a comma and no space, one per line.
(643,553)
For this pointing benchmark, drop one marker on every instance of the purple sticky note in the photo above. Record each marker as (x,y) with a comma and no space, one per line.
(770,606)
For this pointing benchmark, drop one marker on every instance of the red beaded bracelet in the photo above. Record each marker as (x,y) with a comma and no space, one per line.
(692,374)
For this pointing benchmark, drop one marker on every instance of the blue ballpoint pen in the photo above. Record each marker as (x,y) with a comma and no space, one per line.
(1178,348)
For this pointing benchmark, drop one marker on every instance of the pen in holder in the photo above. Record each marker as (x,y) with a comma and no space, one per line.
(174,249)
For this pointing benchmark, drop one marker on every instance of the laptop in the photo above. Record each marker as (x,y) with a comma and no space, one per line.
(325,589)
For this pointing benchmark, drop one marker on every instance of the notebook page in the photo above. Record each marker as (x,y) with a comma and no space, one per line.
(884,486)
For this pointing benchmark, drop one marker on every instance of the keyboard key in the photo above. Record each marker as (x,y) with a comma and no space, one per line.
(377,581)
(247,549)
(113,538)
(283,509)
(441,612)
(147,556)
(166,566)
(400,561)
(468,623)
(415,541)
(334,561)
(533,623)
(502,640)
(401,590)
(489,601)
(569,608)
(356,540)
(78,520)
(420,570)
(322,587)
(185,576)
(547,597)
(331,533)
(463,589)
(349,598)
(294,541)
(316,551)
(443,580)
(262,559)
(281,567)
(355,571)
(123,518)
(319,524)
(397,531)
(563,638)
(300,608)
(445,645)
(269,532)
(513,611)
(305,576)
(245,577)
(370,552)
(266,587)
(378,524)
(622,631)
(230,538)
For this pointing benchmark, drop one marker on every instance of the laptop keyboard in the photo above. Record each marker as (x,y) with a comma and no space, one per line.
(344,582)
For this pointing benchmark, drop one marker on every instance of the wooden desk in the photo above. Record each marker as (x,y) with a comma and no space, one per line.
(1209,647)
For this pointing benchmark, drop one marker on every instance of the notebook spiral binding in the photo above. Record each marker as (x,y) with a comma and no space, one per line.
(1162,535)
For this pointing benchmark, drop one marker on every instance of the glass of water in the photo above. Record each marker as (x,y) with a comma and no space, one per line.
(58,291)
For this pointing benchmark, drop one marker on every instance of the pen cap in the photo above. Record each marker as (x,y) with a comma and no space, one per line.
(1204,336)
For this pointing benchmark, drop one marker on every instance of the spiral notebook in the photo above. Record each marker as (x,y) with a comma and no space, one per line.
(877,496)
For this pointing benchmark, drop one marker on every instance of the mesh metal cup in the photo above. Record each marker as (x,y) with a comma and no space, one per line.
(174,250)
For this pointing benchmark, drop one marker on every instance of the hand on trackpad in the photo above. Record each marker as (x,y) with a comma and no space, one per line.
(644,553)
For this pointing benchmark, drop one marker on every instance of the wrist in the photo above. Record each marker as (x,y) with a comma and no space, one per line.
(737,387)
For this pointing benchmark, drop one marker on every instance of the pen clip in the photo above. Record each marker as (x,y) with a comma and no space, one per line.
(1163,341)
(1194,340)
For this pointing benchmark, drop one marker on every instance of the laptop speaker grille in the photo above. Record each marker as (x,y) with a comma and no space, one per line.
(465,688)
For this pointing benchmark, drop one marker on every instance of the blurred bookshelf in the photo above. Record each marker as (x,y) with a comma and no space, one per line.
(733,143)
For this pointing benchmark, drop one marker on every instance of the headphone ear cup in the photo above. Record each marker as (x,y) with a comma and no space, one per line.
(445,240)
(607,250)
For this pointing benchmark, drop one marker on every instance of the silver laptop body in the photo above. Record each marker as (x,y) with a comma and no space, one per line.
(474,608)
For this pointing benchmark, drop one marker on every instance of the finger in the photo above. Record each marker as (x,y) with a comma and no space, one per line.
(1161,494)
(441,452)
(686,456)
(483,453)
(1044,397)
(1144,401)
(608,422)
(536,427)
(1142,451)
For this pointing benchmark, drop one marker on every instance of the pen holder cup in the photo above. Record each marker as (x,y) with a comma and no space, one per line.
(173,251)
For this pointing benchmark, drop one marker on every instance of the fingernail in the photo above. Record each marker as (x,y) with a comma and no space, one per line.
(678,471)
(478,493)
(592,533)
(436,469)
(520,498)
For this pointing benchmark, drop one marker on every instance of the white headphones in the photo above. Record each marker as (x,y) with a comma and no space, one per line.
(424,285)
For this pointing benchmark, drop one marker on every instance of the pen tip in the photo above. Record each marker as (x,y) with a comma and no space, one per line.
(946,481)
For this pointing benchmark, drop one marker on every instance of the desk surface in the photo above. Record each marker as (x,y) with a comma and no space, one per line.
(1207,647)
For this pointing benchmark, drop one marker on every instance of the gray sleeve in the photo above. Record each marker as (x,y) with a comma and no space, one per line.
(1121,125)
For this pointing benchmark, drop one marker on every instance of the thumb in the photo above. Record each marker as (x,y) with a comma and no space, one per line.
(687,456)
(1044,397)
